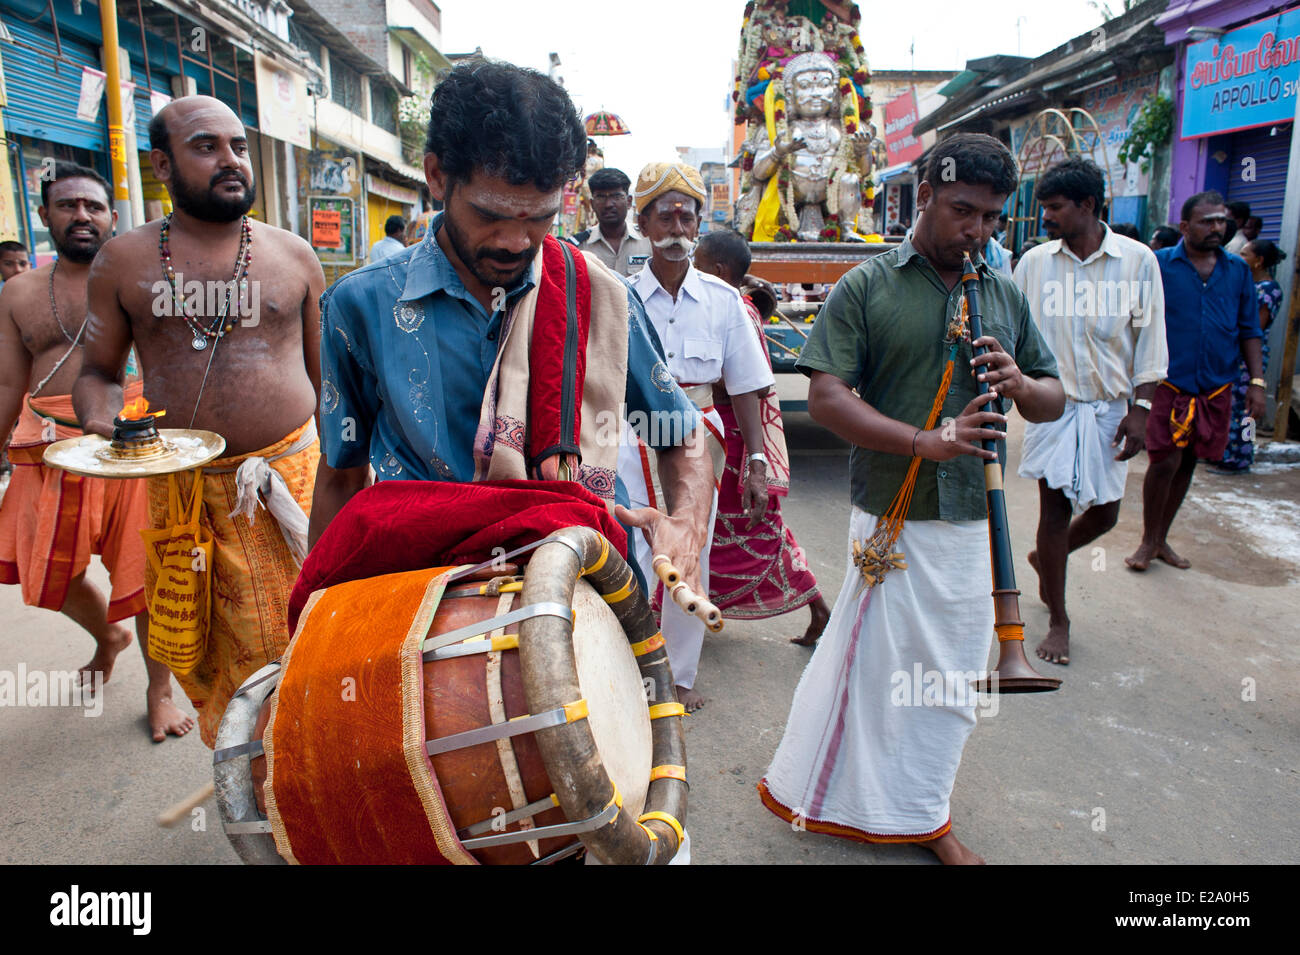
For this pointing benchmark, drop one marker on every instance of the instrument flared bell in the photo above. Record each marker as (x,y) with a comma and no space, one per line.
(1014,674)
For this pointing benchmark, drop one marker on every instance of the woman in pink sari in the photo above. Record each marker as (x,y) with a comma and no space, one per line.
(756,568)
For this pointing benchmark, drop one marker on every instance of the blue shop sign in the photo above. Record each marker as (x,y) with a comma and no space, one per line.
(1245,78)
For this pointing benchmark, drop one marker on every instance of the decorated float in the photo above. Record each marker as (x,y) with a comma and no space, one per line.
(802,91)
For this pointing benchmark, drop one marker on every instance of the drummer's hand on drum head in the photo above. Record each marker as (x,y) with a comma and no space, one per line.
(673,536)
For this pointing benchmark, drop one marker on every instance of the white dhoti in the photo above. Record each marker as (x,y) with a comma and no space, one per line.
(1074,454)
(884,708)
(683,632)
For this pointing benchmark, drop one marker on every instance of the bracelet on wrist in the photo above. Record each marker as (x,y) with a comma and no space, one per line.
(914,437)
(1259,382)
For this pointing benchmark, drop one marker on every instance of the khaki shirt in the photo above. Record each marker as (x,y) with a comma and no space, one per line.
(632,253)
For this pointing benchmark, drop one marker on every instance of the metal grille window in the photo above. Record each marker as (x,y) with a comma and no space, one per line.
(305,41)
(345,86)
(383,106)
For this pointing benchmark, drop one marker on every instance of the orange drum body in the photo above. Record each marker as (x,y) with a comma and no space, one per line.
(432,717)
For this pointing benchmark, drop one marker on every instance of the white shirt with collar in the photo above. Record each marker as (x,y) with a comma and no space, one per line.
(385,247)
(706,337)
(1103,317)
(705,332)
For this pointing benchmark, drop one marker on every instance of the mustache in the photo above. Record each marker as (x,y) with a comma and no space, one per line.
(680,242)
(237,176)
(88,226)
(503,257)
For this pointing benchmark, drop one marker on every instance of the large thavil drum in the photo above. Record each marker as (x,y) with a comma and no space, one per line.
(434,716)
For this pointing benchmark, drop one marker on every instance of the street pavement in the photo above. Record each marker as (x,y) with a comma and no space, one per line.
(1174,739)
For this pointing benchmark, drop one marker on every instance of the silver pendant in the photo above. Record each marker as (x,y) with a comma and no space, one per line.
(199,343)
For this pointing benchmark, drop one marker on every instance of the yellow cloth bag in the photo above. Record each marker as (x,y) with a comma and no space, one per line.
(181,557)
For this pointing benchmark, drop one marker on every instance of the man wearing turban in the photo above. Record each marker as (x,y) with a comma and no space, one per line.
(706,338)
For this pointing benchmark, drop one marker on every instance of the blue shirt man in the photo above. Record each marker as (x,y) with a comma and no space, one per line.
(1206,320)
(1211,323)
(406,353)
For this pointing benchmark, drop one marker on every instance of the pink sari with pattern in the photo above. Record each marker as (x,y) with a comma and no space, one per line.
(762,572)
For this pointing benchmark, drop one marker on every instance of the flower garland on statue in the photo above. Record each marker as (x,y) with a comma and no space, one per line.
(841,163)
(761,63)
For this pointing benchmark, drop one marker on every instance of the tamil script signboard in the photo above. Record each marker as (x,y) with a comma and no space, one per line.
(900,117)
(1245,78)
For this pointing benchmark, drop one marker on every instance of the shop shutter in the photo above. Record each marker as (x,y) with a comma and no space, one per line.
(43,100)
(1265,193)
(143,106)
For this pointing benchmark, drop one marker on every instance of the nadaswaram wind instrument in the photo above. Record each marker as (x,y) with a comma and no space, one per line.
(1013,673)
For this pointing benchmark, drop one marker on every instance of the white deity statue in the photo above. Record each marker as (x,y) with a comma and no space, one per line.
(827,165)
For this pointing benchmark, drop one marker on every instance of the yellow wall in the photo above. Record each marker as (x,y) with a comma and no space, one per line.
(378,209)
(8,214)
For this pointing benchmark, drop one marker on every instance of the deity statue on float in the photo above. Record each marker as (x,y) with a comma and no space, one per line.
(809,150)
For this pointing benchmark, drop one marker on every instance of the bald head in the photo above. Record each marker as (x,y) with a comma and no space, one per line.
(200,152)
(180,115)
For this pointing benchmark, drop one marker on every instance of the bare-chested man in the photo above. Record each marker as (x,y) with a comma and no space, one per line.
(167,288)
(52,521)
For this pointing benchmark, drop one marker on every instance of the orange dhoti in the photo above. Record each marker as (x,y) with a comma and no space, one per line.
(51,521)
(253,570)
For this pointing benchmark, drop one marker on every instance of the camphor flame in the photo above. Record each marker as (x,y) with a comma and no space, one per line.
(136,409)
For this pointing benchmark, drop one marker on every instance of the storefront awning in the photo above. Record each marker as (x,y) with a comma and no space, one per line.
(893,172)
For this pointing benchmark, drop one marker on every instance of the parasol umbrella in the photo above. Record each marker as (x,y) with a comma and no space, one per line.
(604,123)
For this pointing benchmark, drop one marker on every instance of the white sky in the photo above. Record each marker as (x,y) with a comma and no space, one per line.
(664,66)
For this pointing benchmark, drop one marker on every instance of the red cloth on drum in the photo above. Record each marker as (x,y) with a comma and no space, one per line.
(348,779)
(397,526)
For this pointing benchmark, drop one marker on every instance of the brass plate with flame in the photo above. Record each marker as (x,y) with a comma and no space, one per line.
(92,455)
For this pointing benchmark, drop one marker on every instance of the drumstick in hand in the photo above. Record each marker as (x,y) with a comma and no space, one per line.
(683,596)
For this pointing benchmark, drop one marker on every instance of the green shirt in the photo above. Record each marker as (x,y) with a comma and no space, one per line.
(881,332)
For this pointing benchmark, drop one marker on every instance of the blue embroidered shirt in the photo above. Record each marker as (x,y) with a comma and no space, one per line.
(406,353)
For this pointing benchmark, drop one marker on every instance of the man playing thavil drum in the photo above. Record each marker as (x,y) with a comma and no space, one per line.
(241,362)
(51,521)
(866,755)
(431,362)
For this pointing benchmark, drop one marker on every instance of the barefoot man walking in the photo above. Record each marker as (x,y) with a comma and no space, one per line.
(1211,322)
(243,362)
(51,521)
(856,760)
(1098,301)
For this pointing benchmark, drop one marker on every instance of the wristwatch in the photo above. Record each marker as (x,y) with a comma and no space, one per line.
(1142,403)
(1260,382)
(759,456)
